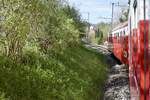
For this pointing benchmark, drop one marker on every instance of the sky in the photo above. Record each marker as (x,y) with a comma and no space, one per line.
(97,9)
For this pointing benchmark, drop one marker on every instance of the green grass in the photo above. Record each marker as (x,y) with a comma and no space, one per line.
(75,74)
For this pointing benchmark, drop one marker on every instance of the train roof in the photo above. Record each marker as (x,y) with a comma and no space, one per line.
(121,25)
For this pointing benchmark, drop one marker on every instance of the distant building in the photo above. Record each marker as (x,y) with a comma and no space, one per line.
(92,33)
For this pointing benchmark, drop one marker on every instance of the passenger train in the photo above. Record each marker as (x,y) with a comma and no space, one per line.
(131,42)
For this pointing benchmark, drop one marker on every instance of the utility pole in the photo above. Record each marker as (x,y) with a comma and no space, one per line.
(88,25)
(115,4)
(87,19)
(112,16)
(112,19)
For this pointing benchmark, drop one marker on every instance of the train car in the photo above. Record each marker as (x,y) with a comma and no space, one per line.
(131,45)
(120,42)
(138,26)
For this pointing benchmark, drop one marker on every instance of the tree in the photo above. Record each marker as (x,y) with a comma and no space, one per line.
(104,28)
(124,16)
(47,24)
(74,14)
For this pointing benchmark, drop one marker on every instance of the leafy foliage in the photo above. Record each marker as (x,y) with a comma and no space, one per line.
(40,55)
(72,13)
(45,23)
(61,77)
(124,16)
(103,30)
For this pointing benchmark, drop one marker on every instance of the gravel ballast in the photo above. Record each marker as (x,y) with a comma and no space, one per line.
(117,85)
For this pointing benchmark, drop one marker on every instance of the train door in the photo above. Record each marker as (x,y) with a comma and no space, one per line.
(148,15)
(133,64)
(143,54)
(143,50)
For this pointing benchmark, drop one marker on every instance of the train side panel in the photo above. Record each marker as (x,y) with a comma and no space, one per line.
(138,50)
(120,44)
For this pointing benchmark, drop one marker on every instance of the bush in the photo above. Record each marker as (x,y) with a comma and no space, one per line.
(63,77)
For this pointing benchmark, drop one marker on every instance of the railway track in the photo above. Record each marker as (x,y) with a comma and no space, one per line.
(117,83)
(99,48)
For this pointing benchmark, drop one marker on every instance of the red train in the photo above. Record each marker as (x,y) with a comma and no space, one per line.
(130,42)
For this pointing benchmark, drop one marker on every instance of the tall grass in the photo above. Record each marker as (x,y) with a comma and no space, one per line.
(75,74)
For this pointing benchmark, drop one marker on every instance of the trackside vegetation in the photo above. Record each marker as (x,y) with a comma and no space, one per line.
(76,74)
(41,57)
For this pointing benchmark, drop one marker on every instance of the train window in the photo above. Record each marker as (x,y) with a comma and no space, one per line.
(120,34)
(135,13)
(118,37)
(115,37)
(124,33)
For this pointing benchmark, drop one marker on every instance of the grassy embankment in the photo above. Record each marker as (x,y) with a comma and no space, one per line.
(77,74)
